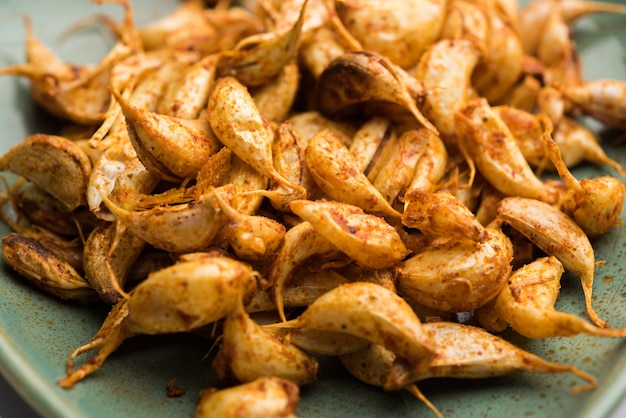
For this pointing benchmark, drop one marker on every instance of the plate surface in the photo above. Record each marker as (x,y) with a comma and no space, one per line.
(37,331)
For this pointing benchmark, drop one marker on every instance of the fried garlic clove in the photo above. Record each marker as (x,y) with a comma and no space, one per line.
(233,24)
(318,51)
(135,178)
(356,272)
(169,147)
(359,79)
(258,58)
(180,290)
(467,192)
(289,162)
(367,239)
(85,99)
(142,79)
(385,151)
(557,51)
(527,129)
(213,171)
(275,98)
(527,304)
(342,35)
(175,29)
(448,89)
(244,178)
(300,243)
(68,249)
(44,210)
(198,289)
(171,225)
(405,28)
(304,126)
(600,99)
(301,290)
(149,260)
(112,333)
(43,267)
(566,73)
(497,156)
(145,77)
(431,167)
(534,16)
(372,312)
(249,351)
(336,172)
(237,123)
(524,94)
(470,352)
(252,237)
(594,204)
(54,163)
(489,318)
(56,85)
(466,20)
(189,95)
(502,62)
(457,275)
(398,168)
(441,214)
(115,168)
(110,252)
(578,143)
(553,104)
(597,205)
(117,160)
(146,80)
(84,103)
(327,343)
(487,209)
(308,124)
(264,397)
(372,366)
(284,14)
(40,60)
(556,234)
(367,140)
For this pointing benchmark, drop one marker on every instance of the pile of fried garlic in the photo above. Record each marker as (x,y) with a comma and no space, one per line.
(342,178)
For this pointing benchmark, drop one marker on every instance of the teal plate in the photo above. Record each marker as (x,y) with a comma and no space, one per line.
(37,331)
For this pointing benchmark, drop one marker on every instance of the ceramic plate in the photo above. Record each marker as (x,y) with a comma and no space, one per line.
(37,331)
